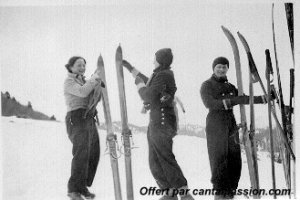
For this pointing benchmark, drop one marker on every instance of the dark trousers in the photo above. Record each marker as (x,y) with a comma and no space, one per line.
(86,150)
(163,164)
(224,151)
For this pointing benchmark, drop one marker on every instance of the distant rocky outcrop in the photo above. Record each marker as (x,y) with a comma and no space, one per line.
(11,107)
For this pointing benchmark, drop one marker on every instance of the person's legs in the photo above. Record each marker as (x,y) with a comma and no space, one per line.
(217,144)
(162,143)
(94,154)
(155,166)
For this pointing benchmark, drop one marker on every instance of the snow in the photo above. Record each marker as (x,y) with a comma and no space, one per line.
(37,160)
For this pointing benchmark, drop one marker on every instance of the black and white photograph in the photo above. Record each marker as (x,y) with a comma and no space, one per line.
(149,100)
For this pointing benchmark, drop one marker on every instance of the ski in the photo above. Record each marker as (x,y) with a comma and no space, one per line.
(252,79)
(287,167)
(126,132)
(255,75)
(246,140)
(269,77)
(111,138)
(289,10)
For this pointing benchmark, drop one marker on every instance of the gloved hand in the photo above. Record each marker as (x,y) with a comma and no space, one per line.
(138,80)
(102,84)
(96,77)
(273,95)
(238,100)
(127,65)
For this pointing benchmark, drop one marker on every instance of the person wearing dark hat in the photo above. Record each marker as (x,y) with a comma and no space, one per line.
(81,128)
(219,96)
(157,93)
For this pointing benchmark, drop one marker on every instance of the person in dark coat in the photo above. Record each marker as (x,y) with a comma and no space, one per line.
(219,96)
(157,93)
(81,128)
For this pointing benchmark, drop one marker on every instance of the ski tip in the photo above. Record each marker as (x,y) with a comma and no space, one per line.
(119,49)
(243,40)
(224,28)
(240,35)
(100,61)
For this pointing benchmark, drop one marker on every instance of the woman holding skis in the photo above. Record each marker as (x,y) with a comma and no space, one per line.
(224,152)
(158,96)
(81,128)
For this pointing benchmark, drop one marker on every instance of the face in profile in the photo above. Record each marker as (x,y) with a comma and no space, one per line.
(156,64)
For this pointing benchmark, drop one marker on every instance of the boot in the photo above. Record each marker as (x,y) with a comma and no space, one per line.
(221,197)
(166,197)
(169,196)
(75,196)
(88,195)
(188,196)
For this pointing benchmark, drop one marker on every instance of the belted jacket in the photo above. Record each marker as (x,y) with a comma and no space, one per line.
(160,84)
(219,95)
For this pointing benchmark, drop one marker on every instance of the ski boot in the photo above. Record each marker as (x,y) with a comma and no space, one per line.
(167,197)
(75,196)
(88,195)
(188,196)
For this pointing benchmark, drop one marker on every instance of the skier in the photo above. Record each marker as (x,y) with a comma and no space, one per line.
(158,93)
(219,96)
(81,129)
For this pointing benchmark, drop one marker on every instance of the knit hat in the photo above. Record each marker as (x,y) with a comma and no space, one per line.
(220,60)
(164,56)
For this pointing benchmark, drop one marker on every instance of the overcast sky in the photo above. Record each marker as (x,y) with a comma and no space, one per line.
(37,41)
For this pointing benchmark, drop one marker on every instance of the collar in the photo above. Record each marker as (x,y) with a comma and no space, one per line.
(161,68)
(219,79)
(77,76)
(72,75)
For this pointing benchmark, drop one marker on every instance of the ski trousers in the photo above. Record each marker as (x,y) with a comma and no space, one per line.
(163,164)
(83,134)
(223,150)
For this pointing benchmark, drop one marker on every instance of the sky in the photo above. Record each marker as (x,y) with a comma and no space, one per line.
(38,38)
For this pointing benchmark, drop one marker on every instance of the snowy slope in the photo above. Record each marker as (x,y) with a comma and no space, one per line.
(37,157)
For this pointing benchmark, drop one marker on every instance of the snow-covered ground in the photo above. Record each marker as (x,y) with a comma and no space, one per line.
(37,157)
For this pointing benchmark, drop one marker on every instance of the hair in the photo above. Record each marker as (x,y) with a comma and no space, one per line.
(71,62)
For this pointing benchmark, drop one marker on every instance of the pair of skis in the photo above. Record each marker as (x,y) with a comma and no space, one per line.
(248,139)
(126,133)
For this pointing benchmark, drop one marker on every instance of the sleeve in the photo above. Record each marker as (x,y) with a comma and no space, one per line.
(245,100)
(209,101)
(148,93)
(76,89)
(137,73)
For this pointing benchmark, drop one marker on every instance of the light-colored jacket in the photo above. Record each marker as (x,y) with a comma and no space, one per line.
(76,91)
